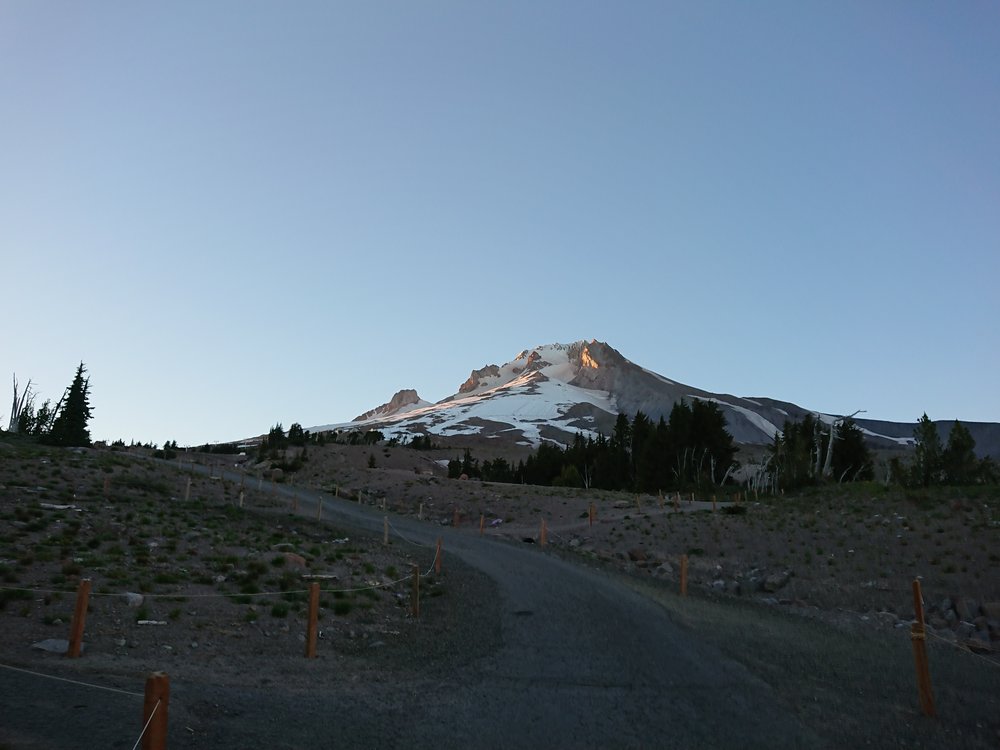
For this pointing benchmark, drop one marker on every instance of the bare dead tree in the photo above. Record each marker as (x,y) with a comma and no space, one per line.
(828,466)
(26,399)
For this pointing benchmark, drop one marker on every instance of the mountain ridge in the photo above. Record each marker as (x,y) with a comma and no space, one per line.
(553,391)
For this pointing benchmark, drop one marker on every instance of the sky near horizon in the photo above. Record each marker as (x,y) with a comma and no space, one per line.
(239,213)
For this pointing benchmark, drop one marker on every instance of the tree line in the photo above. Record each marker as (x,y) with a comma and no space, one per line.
(692,448)
(808,452)
(64,423)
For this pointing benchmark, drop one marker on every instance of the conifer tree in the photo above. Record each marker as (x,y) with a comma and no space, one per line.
(927,461)
(70,425)
(959,458)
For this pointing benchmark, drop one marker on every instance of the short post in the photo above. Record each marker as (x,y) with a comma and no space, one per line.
(542,535)
(684,575)
(313,616)
(416,590)
(692,497)
(107,486)
(454,519)
(79,617)
(660,495)
(154,711)
(437,557)
(918,634)
(319,509)
(713,503)
(336,491)
(482,523)
(187,491)
(677,501)
(385,531)
(241,498)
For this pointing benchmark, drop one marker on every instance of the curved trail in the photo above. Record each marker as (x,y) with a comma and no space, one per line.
(585,662)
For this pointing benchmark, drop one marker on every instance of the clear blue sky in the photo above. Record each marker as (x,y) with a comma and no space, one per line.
(238,213)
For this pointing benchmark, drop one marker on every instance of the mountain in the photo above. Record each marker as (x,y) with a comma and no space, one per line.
(553,392)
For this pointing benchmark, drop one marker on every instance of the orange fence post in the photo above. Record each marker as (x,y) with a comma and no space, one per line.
(154,711)
(107,486)
(319,509)
(79,617)
(313,616)
(385,531)
(542,536)
(437,557)
(454,519)
(918,634)
(713,503)
(684,575)
(416,590)
(482,523)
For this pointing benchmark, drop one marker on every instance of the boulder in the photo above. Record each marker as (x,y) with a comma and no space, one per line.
(296,560)
(637,555)
(133,599)
(991,610)
(55,646)
(775,581)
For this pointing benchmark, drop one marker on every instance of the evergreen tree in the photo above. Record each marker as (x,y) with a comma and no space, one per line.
(959,458)
(851,458)
(70,424)
(927,462)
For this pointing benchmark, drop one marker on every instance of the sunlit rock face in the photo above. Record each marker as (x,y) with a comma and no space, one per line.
(401,400)
(477,377)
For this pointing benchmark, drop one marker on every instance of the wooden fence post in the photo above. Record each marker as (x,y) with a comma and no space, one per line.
(713,503)
(154,711)
(437,557)
(416,590)
(107,486)
(482,523)
(311,624)
(79,617)
(319,509)
(542,535)
(241,498)
(454,519)
(385,531)
(918,634)
(677,501)
(684,575)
